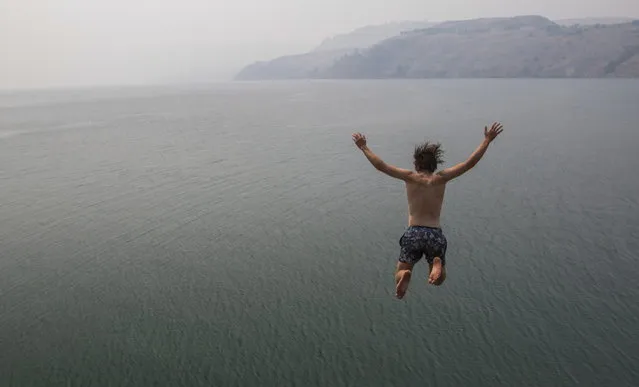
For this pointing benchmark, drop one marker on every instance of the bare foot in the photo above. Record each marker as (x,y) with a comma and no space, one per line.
(402,284)
(436,271)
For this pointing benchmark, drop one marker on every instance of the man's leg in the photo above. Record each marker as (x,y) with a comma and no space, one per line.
(403,272)
(437,274)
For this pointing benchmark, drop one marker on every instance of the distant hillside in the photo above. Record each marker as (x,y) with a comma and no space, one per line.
(528,46)
(367,36)
(523,46)
(308,65)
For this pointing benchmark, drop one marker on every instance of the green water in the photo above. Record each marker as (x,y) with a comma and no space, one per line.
(231,235)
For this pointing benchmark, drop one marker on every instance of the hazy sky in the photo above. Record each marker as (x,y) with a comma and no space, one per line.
(47,43)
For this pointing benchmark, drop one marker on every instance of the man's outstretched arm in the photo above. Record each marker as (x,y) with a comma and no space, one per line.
(378,163)
(461,168)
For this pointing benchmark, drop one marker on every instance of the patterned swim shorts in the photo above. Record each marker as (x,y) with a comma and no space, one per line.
(418,241)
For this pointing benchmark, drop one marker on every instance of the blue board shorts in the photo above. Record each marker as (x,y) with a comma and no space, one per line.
(420,241)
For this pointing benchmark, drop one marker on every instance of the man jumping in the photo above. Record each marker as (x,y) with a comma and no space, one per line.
(425,192)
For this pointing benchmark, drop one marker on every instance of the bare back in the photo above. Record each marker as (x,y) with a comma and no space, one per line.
(424,204)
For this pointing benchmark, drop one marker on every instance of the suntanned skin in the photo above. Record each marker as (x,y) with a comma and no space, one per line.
(425,194)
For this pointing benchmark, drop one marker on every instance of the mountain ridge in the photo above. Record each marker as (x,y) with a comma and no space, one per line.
(521,46)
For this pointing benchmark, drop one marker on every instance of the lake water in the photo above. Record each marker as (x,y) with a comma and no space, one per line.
(232,235)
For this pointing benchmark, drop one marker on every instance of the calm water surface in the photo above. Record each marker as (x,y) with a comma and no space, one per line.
(232,235)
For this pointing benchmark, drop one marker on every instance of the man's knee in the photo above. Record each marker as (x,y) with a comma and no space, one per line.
(441,279)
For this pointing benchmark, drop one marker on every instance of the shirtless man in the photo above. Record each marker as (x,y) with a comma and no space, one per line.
(425,192)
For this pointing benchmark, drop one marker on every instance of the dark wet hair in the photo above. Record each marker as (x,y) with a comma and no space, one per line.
(428,156)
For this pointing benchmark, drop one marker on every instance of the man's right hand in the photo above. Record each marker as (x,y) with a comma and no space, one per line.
(359,140)
(493,132)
